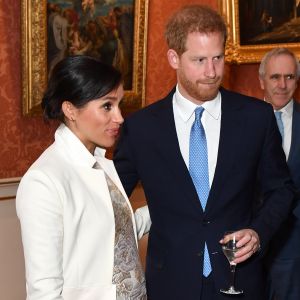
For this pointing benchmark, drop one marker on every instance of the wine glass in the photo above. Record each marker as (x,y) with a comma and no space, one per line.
(229,250)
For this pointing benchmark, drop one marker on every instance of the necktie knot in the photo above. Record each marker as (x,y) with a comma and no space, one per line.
(278,115)
(198,113)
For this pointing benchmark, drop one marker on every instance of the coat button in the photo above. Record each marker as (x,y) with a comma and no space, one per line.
(205,222)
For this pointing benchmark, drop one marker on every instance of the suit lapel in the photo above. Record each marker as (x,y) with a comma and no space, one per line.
(170,150)
(295,145)
(232,125)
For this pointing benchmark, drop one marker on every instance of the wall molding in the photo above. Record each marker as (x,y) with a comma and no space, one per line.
(8,188)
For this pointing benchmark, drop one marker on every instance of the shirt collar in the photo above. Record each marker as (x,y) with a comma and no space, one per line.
(186,107)
(288,109)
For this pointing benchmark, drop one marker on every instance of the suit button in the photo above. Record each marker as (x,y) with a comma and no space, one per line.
(205,222)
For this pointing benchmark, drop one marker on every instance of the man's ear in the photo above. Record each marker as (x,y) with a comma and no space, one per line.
(262,84)
(173,58)
(69,110)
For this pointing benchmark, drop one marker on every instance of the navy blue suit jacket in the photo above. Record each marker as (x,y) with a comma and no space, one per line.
(250,154)
(286,243)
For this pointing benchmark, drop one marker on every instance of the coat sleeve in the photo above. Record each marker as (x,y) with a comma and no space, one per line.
(39,209)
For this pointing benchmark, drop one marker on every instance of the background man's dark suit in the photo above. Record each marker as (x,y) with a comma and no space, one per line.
(284,252)
(294,158)
(249,150)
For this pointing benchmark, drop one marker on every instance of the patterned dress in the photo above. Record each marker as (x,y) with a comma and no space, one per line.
(128,274)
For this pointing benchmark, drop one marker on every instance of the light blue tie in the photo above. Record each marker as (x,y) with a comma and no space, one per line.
(198,167)
(279,123)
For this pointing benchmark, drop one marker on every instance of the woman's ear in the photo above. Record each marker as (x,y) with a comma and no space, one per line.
(173,58)
(69,111)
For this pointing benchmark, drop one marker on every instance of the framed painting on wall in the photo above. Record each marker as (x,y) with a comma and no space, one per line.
(257,26)
(115,31)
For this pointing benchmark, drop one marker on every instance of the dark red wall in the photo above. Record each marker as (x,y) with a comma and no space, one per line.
(24,138)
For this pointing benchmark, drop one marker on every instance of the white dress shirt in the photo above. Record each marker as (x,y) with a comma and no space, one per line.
(184,115)
(287,120)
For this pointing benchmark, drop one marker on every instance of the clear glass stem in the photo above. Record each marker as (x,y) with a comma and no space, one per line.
(232,271)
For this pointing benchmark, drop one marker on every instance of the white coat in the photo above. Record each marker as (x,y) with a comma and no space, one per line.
(67,222)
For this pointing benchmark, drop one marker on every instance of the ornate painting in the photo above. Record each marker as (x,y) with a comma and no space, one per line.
(256,26)
(114,31)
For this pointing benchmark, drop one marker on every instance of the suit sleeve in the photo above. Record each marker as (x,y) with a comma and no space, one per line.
(40,212)
(124,161)
(277,191)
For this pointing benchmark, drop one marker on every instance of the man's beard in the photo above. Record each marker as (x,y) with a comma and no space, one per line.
(195,91)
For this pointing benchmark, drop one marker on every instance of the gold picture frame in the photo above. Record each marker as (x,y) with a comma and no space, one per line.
(252,53)
(34,56)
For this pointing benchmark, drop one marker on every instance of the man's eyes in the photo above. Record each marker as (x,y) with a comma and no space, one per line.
(287,77)
(218,57)
(202,59)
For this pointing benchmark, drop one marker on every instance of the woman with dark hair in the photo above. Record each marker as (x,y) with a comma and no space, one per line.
(78,229)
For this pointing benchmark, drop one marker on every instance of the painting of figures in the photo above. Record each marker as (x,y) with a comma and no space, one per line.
(114,31)
(98,28)
(257,26)
(269,21)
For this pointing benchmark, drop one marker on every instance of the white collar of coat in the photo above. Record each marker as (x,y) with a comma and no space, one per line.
(76,151)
